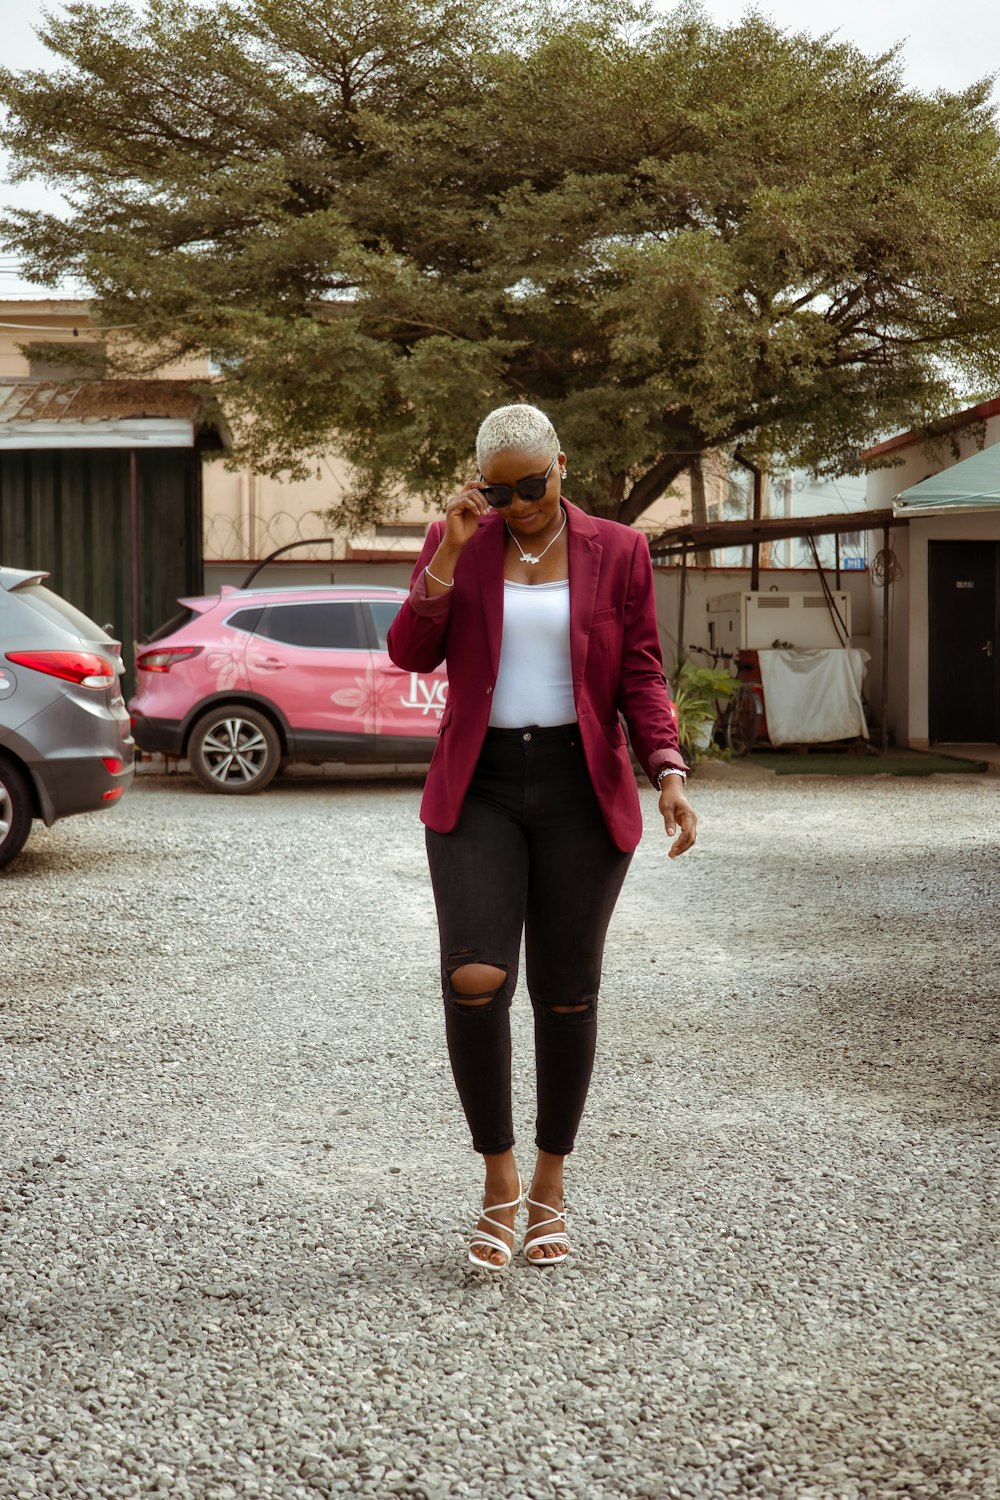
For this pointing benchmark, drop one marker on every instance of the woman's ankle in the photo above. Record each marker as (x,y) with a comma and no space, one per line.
(502,1176)
(548,1177)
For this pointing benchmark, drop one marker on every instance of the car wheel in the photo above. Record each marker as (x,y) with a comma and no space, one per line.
(17,808)
(234,749)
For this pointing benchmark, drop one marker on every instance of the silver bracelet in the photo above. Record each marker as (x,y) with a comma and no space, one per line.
(669,771)
(441,581)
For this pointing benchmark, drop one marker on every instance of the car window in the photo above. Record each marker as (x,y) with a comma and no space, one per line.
(176,622)
(58,610)
(332,627)
(246,619)
(384,611)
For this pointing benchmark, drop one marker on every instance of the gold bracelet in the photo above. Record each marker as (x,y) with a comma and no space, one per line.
(441,581)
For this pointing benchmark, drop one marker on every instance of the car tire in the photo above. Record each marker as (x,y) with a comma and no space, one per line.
(17,809)
(234,750)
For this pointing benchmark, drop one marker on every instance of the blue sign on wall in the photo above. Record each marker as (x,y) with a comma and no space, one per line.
(852,563)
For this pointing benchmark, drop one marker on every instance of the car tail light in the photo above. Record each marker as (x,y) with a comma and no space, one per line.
(113,795)
(162,661)
(113,765)
(84,668)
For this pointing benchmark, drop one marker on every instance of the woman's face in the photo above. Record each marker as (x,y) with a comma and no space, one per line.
(511,465)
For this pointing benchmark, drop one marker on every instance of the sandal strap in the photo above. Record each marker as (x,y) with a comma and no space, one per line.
(558,1238)
(532,1238)
(484,1237)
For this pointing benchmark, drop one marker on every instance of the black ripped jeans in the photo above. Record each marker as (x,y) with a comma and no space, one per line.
(530,853)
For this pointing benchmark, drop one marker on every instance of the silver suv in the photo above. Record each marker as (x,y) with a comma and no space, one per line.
(65,739)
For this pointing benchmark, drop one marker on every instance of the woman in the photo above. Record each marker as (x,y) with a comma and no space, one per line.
(546,620)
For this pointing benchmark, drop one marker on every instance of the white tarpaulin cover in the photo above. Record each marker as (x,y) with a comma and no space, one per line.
(813,696)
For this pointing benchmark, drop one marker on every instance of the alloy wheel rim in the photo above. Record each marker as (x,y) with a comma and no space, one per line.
(234,750)
(6,813)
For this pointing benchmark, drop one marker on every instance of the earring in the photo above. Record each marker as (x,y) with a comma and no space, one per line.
(562,473)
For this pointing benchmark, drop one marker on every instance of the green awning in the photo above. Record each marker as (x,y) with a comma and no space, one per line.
(972,485)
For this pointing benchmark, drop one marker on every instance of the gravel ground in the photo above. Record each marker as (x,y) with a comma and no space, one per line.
(236,1183)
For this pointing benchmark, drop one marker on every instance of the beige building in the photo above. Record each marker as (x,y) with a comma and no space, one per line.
(944,621)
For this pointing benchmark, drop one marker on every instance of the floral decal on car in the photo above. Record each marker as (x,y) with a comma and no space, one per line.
(366,697)
(224,664)
(372,694)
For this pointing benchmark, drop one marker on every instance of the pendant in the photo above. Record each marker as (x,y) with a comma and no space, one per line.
(529,557)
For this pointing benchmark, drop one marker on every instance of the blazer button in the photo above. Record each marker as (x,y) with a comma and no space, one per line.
(488,691)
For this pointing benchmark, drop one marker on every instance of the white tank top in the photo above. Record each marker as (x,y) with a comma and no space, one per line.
(535,681)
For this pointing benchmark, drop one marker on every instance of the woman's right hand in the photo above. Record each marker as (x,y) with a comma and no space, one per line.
(461,518)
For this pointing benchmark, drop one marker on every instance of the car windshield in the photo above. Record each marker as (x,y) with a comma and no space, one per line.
(176,622)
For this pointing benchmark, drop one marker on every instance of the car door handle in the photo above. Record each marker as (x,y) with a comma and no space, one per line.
(268,663)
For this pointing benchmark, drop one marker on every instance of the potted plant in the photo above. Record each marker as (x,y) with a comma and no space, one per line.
(697,695)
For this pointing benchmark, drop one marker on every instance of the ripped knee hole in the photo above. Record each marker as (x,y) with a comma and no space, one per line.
(477,984)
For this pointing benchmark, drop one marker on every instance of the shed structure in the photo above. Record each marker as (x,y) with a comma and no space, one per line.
(101,486)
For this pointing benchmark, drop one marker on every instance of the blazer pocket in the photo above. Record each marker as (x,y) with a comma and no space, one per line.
(615,733)
(605,617)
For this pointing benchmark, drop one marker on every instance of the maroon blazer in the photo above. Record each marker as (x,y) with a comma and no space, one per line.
(614,650)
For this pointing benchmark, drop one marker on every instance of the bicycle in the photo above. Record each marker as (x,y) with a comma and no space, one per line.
(738,723)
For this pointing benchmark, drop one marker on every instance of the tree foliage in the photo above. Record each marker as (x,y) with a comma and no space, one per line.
(381,219)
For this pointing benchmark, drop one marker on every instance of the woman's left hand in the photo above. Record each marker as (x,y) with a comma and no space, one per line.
(677,814)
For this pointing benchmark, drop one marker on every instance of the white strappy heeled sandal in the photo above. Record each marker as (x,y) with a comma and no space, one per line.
(484,1237)
(532,1237)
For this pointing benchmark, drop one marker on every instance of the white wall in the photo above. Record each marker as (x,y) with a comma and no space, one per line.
(706,583)
(908,630)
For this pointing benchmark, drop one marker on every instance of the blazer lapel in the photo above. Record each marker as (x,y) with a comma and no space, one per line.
(489,560)
(585,553)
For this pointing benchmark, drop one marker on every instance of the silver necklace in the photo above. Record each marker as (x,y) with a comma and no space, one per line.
(529,557)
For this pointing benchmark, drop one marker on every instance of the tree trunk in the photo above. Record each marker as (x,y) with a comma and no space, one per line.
(650,487)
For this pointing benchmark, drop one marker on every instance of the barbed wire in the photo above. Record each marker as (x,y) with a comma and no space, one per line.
(244,538)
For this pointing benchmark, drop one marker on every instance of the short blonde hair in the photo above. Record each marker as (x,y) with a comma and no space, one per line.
(522,427)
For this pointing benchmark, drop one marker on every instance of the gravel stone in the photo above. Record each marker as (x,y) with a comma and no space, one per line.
(235,1184)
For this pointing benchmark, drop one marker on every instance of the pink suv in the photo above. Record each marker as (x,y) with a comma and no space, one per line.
(250,678)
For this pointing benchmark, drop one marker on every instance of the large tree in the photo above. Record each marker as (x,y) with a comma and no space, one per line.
(381,217)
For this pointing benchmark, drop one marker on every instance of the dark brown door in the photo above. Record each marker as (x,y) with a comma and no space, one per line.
(964,686)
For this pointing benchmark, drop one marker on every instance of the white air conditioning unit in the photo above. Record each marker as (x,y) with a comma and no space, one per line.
(754,622)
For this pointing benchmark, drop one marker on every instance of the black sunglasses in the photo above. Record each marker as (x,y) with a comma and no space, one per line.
(532,488)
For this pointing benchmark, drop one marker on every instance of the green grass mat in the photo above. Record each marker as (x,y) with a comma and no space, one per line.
(844,763)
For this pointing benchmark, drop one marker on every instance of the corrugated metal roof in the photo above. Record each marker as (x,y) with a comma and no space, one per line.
(767,529)
(99,400)
(106,413)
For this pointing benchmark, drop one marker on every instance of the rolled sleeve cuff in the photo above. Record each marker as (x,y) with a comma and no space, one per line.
(423,603)
(661,758)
